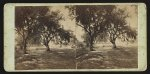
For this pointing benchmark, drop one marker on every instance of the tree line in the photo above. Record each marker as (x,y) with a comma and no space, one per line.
(98,22)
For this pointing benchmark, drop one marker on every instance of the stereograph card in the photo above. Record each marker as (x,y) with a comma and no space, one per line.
(75,37)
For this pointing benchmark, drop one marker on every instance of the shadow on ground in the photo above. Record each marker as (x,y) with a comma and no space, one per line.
(122,57)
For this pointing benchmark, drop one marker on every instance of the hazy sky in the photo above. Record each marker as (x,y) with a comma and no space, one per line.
(69,24)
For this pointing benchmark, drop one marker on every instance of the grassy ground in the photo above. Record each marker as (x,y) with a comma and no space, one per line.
(102,58)
(111,59)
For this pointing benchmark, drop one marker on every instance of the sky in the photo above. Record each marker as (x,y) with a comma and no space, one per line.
(70,24)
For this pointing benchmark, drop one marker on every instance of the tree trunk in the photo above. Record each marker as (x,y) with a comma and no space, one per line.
(46,43)
(91,48)
(48,49)
(114,44)
(91,44)
(60,44)
(25,47)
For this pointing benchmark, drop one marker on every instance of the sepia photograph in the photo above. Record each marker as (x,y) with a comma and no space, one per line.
(75,37)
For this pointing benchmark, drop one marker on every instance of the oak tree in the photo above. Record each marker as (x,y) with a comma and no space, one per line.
(26,22)
(92,19)
(51,30)
(117,27)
